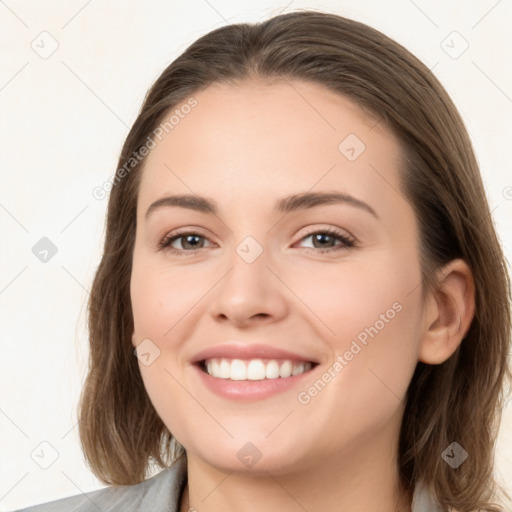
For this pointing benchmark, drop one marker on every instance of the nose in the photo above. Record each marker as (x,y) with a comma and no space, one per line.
(250,293)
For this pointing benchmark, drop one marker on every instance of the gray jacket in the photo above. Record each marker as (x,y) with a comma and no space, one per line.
(161,493)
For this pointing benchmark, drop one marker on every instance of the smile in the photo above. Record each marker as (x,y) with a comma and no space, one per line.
(254,369)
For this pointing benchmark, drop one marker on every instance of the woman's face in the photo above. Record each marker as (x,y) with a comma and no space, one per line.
(294,248)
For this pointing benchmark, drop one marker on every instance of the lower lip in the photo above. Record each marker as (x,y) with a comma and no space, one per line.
(250,389)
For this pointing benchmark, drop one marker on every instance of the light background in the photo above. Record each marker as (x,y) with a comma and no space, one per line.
(64,119)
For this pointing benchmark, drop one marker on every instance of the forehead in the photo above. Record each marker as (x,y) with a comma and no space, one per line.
(276,137)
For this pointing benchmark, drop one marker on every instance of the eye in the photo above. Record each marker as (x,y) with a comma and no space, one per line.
(326,240)
(189,242)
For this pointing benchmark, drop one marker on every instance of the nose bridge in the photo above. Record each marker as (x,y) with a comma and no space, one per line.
(248,279)
(249,289)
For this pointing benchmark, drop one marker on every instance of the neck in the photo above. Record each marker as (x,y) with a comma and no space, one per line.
(352,481)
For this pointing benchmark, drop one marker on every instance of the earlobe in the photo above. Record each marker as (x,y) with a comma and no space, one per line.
(134,338)
(449,312)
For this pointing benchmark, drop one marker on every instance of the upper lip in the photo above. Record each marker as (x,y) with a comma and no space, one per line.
(239,351)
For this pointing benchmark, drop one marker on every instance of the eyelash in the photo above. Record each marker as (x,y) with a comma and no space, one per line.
(346,242)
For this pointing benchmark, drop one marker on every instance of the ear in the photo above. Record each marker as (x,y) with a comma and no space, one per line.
(449,310)
(134,340)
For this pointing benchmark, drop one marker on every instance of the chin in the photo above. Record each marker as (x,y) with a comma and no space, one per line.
(256,455)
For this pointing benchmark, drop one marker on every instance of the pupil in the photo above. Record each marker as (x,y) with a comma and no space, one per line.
(322,237)
(189,240)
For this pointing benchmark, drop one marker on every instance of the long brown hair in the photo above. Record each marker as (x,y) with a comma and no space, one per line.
(460,400)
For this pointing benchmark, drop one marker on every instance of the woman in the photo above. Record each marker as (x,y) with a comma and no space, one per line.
(300,254)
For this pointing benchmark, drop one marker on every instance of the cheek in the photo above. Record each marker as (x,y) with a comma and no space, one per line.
(375,352)
(160,299)
(358,298)
(370,315)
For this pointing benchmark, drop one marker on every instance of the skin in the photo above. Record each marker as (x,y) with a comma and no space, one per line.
(245,147)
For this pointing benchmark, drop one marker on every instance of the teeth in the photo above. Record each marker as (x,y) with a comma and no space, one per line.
(238,370)
(225,369)
(298,369)
(254,369)
(272,370)
(285,370)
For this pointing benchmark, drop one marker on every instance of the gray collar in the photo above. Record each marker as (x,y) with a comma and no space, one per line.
(422,500)
(162,493)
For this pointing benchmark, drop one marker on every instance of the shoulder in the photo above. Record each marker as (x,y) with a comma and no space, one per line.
(159,493)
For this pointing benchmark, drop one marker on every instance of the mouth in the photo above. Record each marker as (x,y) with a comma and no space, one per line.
(236,371)
(257,369)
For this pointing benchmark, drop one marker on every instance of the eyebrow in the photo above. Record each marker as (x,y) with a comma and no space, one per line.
(285,205)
